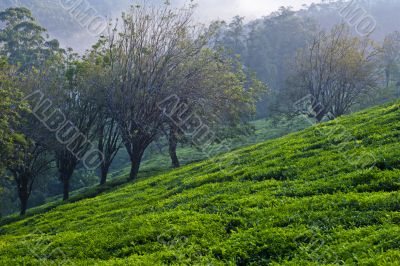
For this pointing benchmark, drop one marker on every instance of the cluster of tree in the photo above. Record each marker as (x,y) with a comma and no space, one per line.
(267,46)
(111,95)
(287,49)
(61,23)
(59,104)
(335,70)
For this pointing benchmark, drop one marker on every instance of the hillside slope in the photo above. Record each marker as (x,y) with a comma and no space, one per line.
(326,195)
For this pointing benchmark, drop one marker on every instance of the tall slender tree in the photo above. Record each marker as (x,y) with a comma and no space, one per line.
(23,40)
(72,89)
(108,135)
(390,56)
(11,105)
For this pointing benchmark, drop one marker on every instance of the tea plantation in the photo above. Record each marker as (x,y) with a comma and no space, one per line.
(328,195)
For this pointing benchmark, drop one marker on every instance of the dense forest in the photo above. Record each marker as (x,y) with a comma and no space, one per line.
(269,45)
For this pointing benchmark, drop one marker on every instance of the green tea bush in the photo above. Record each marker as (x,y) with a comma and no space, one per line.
(328,195)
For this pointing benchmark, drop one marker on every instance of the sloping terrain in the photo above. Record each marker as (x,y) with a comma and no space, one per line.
(326,195)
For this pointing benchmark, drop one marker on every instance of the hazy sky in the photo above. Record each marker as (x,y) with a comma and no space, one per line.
(226,9)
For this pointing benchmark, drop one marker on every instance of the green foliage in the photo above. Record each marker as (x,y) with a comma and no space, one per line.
(10,107)
(62,23)
(267,46)
(22,39)
(23,46)
(304,199)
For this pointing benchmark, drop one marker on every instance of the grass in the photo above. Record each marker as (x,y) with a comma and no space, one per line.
(156,161)
(326,195)
(157,158)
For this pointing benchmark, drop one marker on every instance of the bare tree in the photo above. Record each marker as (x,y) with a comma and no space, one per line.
(109,143)
(390,56)
(75,95)
(108,136)
(335,70)
(144,57)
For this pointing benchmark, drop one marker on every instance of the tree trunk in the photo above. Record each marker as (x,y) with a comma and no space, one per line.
(103,173)
(65,188)
(66,166)
(23,197)
(22,180)
(387,75)
(173,143)
(319,112)
(136,159)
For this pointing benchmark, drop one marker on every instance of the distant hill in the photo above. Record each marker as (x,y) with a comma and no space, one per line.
(61,24)
(327,195)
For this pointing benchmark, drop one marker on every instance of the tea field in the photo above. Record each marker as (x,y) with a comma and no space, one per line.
(327,195)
